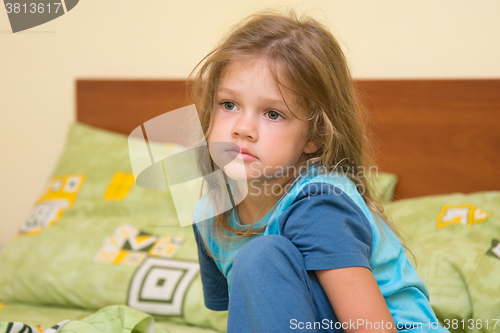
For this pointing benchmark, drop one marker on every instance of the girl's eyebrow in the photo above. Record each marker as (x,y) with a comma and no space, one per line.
(279,102)
(228,90)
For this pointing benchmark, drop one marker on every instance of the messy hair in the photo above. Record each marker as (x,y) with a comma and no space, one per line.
(306,61)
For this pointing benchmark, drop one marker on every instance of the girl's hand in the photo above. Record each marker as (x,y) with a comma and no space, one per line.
(354,295)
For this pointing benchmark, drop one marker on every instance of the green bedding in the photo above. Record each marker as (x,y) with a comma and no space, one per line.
(455,240)
(94,239)
(112,319)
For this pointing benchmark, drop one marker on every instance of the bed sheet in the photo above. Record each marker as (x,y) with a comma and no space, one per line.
(14,317)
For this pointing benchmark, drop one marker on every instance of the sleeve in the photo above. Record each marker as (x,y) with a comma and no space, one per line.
(328,228)
(215,290)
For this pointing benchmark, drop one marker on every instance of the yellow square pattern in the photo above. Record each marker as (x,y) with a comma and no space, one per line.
(129,246)
(466,215)
(120,186)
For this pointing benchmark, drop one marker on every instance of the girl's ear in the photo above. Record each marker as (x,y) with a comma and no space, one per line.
(312,147)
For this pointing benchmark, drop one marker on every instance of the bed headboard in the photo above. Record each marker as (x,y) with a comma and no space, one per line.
(438,136)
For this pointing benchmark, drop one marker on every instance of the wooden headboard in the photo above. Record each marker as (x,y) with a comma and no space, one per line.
(438,136)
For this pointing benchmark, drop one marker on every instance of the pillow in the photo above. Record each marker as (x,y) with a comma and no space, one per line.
(456,242)
(95,239)
(383,185)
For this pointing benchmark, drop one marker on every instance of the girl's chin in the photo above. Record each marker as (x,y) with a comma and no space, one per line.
(236,171)
(244,175)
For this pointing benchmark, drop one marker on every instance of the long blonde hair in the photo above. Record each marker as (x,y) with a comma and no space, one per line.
(312,67)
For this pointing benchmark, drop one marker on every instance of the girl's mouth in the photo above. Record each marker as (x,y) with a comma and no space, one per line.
(244,154)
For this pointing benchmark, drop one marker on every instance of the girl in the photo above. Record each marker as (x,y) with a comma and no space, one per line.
(307,248)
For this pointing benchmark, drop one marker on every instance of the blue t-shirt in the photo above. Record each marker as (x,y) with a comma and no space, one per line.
(326,218)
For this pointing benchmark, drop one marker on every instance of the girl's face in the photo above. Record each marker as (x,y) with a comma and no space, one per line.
(251,114)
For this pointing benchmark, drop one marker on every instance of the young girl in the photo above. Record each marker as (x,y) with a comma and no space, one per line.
(307,248)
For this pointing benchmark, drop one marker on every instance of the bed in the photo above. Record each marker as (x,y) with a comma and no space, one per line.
(100,254)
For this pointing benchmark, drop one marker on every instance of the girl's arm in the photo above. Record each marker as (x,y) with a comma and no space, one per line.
(214,282)
(356,298)
(336,240)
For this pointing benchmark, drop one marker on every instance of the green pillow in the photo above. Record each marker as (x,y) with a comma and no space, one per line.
(95,239)
(456,242)
(383,185)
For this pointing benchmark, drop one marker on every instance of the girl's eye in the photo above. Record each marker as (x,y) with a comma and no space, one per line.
(273,115)
(230,106)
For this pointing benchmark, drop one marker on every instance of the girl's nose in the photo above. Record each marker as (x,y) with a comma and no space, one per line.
(245,127)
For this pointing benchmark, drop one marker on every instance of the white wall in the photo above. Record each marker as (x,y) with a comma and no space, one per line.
(166,38)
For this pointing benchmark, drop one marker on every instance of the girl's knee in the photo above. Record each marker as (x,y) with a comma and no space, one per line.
(271,264)
(266,251)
